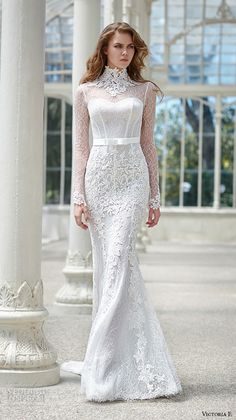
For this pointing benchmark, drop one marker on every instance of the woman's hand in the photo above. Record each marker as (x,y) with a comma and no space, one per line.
(153,217)
(80,209)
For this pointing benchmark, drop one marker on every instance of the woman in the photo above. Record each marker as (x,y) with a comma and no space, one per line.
(127,357)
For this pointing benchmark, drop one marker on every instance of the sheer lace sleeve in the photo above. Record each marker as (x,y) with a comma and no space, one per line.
(81,144)
(148,145)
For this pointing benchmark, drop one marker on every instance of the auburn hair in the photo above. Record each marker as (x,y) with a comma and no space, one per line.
(98,60)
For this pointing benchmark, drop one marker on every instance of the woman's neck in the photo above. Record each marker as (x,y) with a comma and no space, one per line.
(118,69)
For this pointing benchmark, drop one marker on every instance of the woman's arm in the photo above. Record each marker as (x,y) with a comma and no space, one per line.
(148,145)
(81,144)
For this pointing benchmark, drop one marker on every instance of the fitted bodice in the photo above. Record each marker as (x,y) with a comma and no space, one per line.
(119,119)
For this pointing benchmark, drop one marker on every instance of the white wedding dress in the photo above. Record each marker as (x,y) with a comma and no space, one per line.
(127,357)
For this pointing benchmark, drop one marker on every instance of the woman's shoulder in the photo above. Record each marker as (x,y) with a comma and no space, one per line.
(81,86)
(82,89)
(152,89)
(89,83)
(146,84)
(147,88)
(150,84)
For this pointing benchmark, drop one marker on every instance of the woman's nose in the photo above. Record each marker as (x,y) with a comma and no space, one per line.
(124,51)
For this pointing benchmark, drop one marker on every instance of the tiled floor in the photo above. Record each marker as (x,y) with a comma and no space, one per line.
(193,288)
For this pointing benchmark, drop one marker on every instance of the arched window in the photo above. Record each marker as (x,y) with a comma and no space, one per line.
(194,42)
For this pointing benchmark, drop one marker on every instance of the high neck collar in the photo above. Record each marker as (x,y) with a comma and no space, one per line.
(116,73)
(114,80)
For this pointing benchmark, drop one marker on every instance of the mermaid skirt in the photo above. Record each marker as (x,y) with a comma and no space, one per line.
(127,356)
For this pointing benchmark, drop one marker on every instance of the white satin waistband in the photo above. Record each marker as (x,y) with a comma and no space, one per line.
(115,140)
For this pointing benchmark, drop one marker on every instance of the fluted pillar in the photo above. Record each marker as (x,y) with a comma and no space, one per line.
(108,12)
(127,5)
(118,10)
(76,293)
(26,357)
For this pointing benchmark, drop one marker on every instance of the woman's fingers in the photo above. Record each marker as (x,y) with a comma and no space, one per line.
(153,217)
(86,214)
(80,223)
(79,211)
(150,217)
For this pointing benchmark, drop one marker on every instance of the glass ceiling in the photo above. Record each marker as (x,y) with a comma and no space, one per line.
(194,42)
(59,41)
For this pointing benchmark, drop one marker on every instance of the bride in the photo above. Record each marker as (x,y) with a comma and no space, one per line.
(114,183)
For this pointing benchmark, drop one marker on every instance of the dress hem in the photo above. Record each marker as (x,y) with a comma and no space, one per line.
(135,398)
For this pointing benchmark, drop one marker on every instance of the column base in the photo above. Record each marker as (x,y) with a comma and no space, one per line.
(145,237)
(76,295)
(139,245)
(29,378)
(72,308)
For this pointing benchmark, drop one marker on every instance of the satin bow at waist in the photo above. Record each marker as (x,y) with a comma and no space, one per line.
(115,141)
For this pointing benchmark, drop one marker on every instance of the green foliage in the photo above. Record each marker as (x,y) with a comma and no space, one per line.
(171,127)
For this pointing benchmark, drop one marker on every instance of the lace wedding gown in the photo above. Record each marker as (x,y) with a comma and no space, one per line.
(127,357)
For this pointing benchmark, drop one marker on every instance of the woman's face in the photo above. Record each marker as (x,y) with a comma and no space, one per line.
(120,50)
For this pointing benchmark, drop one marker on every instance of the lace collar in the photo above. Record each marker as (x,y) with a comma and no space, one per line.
(114,81)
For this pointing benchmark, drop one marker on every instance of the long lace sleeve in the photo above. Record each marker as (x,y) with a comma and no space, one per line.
(149,147)
(81,144)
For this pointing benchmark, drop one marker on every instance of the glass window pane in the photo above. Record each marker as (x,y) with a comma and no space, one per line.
(191,152)
(173,133)
(208,152)
(227,151)
(67,187)
(53,186)
(53,150)
(54,115)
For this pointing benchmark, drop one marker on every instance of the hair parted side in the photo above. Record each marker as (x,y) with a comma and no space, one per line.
(97,61)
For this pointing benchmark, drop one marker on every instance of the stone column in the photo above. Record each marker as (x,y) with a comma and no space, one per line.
(127,4)
(76,293)
(26,357)
(118,10)
(108,13)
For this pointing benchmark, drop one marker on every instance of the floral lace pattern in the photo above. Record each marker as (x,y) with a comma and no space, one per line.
(114,81)
(79,198)
(154,203)
(126,357)
(81,147)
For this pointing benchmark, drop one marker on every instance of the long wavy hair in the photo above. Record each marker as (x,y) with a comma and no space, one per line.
(98,60)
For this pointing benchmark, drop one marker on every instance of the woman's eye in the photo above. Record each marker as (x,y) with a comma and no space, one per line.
(129,46)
